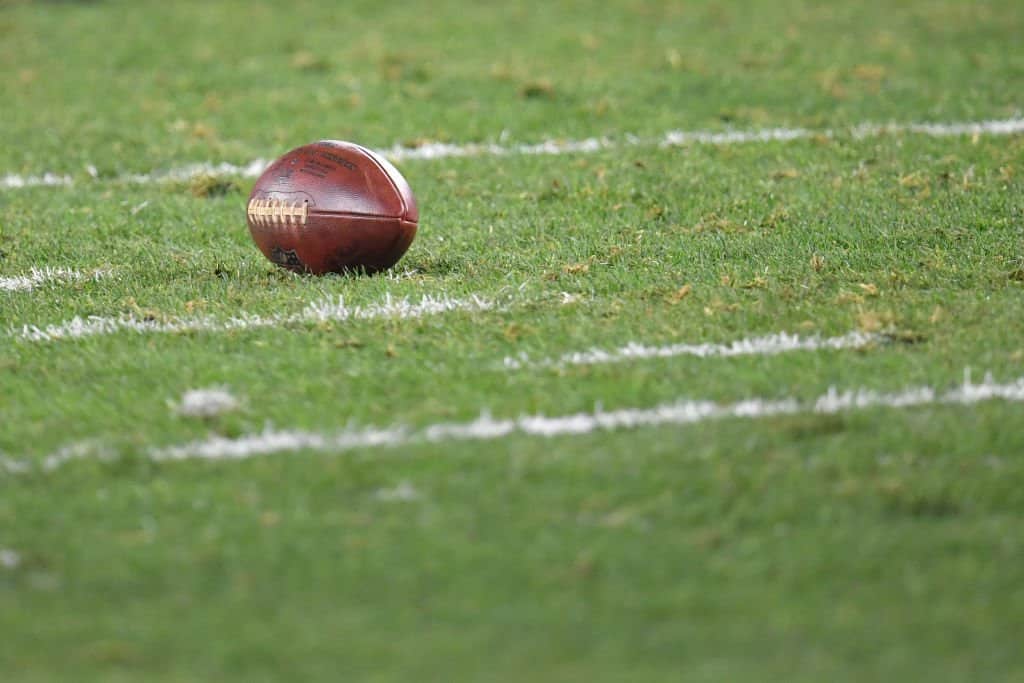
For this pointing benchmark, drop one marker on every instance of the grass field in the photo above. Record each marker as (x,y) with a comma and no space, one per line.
(707,362)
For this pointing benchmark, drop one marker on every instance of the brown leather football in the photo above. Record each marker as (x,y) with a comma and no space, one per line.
(332,207)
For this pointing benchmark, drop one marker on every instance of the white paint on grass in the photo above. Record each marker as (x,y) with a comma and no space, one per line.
(252,169)
(487,428)
(9,559)
(271,441)
(402,493)
(42,276)
(83,450)
(1012,126)
(13,181)
(676,138)
(444,150)
(769,345)
(13,466)
(207,402)
(682,412)
(331,310)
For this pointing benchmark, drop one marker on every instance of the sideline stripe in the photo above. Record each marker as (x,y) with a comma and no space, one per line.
(677,138)
(41,276)
(486,428)
(318,311)
(769,345)
(12,181)
(673,138)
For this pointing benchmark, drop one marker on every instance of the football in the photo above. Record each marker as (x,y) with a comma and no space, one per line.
(332,207)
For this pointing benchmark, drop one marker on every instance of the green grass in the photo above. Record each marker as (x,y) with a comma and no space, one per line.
(241,79)
(879,544)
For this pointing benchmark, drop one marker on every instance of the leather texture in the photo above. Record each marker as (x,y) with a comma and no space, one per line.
(332,206)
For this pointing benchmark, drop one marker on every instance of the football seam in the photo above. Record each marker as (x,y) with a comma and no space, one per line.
(352,214)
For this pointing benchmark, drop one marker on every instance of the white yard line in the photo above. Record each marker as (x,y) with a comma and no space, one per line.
(440,150)
(251,169)
(41,276)
(13,181)
(487,428)
(769,345)
(335,310)
(444,150)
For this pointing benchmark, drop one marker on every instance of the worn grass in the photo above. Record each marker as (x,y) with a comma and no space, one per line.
(878,544)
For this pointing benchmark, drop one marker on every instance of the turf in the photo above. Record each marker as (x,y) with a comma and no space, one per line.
(870,544)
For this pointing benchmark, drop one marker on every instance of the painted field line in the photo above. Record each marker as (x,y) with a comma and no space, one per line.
(82,450)
(487,428)
(719,138)
(41,276)
(333,310)
(444,150)
(769,345)
(251,169)
(13,181)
